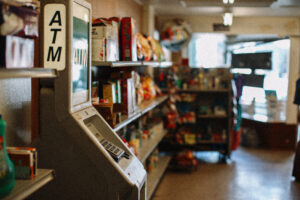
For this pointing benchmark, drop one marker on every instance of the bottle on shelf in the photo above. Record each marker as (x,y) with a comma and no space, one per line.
(7,172)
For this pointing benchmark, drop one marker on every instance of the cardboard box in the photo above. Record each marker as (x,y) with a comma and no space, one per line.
(105,40)
(25,161)
(128,46)
(109,92)
(16,52)
(98,50)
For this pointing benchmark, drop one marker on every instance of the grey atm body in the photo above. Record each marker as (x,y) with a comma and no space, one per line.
(70,143)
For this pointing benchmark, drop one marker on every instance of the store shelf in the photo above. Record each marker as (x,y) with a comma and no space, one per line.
(117,64)
(28,73)
(212,116)
(157,64)
(132,64)
(155,176)
(143,108)
(24,188)
(149,145)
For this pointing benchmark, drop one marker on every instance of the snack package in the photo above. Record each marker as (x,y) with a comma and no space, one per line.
(18,20)
(25,161)
(144,51)
(128,46)
(158,53)
(148,87)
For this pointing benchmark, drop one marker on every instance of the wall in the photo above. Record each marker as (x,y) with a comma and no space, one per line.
(282,26)
(15,108)
(119,8)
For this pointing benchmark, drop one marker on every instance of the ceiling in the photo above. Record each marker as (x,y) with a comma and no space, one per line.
(216,7)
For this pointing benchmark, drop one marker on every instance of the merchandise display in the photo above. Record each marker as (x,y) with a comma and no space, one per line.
(7,171)
(144,50)
(25,161)
(105,39)
(122,94)
(115,39)
(202,109)
(185,160)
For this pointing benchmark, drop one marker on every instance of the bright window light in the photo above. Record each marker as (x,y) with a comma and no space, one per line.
(227,19)
(228,1)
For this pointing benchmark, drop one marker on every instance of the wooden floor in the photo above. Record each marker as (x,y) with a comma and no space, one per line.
(252,174)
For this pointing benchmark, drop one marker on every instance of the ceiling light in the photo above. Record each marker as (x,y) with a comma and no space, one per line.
(228,1)
(227,19)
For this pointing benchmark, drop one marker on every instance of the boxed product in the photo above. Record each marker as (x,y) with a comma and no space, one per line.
(109,92)
(128,96)
(105,40)
(128,46)
(95,92)
(25,161)
(18,20)
(99,50)
(106,111)
(17,52)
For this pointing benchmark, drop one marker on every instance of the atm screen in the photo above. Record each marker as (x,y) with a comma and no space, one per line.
(80,69)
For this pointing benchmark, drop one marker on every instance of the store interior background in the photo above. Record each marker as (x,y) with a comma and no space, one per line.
(279,23)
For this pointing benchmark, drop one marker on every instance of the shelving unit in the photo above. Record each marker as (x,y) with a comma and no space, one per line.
(143,108)
(149,145)
(205,116)
(28,73)
(154,177)
(24,188)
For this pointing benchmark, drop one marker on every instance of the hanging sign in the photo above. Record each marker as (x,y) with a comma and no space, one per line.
(55,36)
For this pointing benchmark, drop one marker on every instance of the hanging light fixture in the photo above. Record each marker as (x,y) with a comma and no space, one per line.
(227,19)
(228,1)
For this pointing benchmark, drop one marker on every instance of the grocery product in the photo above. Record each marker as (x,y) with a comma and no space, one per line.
(7,171)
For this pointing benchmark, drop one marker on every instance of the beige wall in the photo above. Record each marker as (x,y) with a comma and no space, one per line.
(118,8)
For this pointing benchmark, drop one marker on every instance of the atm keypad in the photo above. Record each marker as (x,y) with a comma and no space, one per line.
(113,150)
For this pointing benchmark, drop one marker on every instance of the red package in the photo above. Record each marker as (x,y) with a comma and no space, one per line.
(128,40)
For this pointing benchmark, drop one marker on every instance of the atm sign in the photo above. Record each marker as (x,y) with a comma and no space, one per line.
(55,36)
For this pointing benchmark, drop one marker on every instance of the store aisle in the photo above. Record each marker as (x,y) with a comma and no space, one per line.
(252,175)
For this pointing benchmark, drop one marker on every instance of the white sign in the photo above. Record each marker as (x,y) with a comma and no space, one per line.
(55,36)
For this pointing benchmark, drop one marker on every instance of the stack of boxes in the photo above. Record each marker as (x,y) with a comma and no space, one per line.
(114,39)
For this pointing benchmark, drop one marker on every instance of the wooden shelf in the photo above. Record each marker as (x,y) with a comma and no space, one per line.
(149,145)
(143,108)
(28,73)
(24,188)
(155,176)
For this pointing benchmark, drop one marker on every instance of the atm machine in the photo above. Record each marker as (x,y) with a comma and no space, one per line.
(89,158)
